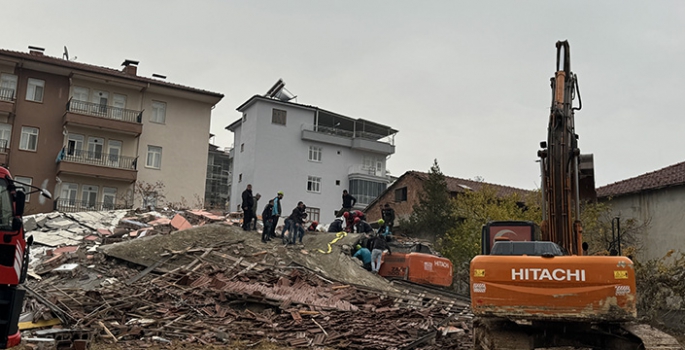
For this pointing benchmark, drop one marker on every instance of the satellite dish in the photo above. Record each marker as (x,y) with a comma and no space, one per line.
(65,55)
(279,92)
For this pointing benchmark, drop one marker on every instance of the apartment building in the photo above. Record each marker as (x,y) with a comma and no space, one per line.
(309,153)
(88,133)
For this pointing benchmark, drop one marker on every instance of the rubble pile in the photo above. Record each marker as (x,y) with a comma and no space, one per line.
(211,283)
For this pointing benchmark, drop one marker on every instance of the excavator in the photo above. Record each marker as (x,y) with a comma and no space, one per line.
(535,286)
(14,255)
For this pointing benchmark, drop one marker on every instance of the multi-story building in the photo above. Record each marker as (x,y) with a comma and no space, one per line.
(89,133)
(309,153)
(217,188)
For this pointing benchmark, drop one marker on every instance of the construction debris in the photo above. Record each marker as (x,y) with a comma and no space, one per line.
(195,278)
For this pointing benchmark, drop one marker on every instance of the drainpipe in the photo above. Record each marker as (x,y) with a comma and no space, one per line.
(316,120)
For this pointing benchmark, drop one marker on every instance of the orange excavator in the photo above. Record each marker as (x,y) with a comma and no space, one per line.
(535,287)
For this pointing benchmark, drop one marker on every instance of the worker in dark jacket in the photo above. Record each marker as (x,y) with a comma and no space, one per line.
(378,246)
(247,206)
(348,201)
(266,219)
(336,225)
(388,215)
(361,226)
(295,222)
(276,214)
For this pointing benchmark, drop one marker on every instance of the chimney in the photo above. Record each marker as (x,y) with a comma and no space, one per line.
(130,67)
(36,51)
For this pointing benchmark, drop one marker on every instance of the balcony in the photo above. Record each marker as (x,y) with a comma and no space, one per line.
(7,100)
(360,140)
(100,165)
(103,117)
(66,205)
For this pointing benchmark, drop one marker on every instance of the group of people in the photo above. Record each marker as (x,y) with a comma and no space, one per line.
(371,247)
(293,228)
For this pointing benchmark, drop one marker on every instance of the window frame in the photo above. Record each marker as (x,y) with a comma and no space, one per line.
(26,180)
(31,86)
(14,80)
(24,141)
(150,151)
(401,194)
(314,153)
(67,186)
(5,127)
(277,115)
(156,107)
(313,214)
(313,184)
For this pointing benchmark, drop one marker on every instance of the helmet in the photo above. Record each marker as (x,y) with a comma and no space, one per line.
(346,214)
(359,246)
(357,220)
(381,222)
(280,192)
(315,223)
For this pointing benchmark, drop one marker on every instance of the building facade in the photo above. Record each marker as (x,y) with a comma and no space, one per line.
(310,154)
(88,134)
(219,170)
(655,201)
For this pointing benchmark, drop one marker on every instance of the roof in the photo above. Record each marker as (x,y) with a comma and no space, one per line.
(367,123)
(671,176)
(102,70)
(455,184)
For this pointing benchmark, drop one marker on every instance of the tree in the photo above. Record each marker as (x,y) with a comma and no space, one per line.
(473,209)
(598,233)
(432,216)
(152,194)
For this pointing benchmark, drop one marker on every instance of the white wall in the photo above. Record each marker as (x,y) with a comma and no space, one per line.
(664,211)
(276,158)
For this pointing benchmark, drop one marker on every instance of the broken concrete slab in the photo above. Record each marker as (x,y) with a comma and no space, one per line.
(30,224)
(60,223)
(180,223)
(54,238)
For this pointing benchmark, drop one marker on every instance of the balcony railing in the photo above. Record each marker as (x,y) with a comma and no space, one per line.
(4,146)
(66,205)
(104,111)
(390,139)
(7,94)
(101,159)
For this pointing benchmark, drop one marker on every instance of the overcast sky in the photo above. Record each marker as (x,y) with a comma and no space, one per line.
(464,82)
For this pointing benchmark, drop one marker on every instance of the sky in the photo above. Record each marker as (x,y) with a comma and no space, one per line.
(464,82)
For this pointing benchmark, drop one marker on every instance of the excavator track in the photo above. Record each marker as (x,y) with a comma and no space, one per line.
(503,334)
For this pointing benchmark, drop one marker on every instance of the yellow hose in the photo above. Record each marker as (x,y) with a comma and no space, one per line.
(338,236)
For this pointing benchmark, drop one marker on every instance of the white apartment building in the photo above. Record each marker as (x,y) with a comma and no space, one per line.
(310,154)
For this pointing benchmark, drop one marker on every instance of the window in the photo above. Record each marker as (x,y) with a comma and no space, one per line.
(158,112)
(113,152)
(69,192)
(154,157)
(29,139)
(314,184)
(242,147)
(150,200)
(109,195)
(95,147)
(366,191)
(313,214)
(34,90)
(278,116)
(337,182)
(8,86)
(119,103)
(401,194)
(80,94)
(89,196)
(5,134)
(314,154)
(19,180)
(75,145)
(240,178)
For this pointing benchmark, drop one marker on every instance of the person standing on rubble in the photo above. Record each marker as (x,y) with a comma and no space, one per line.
(292,222)
(247,205)
(276,214)
(267,220)
(388,215)
(378,247)
(255,207)
(348,201)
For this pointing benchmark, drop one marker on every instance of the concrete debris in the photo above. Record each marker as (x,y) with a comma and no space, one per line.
(195,278)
